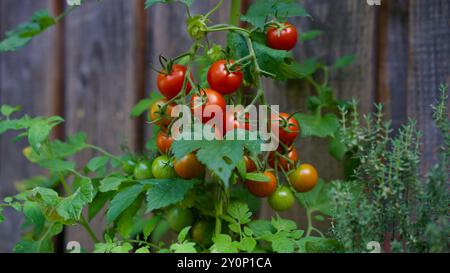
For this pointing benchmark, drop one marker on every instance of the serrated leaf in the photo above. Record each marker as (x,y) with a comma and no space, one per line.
(224,244)
(126,221)
(164,192)
(282,244)
(261,227)
(122,201)
(247,244)
(262,10)
(221,157)
(239,211)
(316,125)
(43,245)
(97,163)
(98,203)
(57,165)
(70,208)
(281,224)
(185,247)
(142,250)
(111,183)
(318,245)
(33,216)
(22,34)
(47,196)
(318,199)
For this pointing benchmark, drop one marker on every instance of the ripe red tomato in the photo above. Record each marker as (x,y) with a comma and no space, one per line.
(163,141)
(250,165)
(282,39)
(207,97)
(282,162)
(263,189)
(304,178)
(282,199)
(189,167)
(288,127)
(156,115)
(234,120)
(223,80)
(171,83)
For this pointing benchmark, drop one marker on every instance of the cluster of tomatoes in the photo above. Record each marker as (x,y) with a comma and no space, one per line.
(224,78)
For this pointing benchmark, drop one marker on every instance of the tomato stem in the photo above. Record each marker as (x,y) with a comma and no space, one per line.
(235,12)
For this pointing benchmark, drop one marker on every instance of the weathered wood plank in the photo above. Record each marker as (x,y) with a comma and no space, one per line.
(429,66)
(349,28)
(24,80)
(101,87)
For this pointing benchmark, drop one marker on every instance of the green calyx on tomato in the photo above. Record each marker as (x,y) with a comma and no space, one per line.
(162,168)
(143,170)
(282,199)
(179,218)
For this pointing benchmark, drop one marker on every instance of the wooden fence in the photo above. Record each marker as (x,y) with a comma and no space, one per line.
(92,68)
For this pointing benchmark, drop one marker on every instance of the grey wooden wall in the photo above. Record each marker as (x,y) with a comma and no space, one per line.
(92,68)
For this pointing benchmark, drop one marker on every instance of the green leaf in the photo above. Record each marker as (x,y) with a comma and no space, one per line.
(2,217)
(282,244)
(40,130)
(22,34)
(224,244)
(142,250)
(97,162)
(126,220)
(164,192)
(122,201)
(221,157)
(33,216)
(239,211)
(43,245)
(281,224)
(268,9)
(150,225)
(111,183)
(242,194)
(310,35)
(70,208)
(337,148)
(344,61)
(316,125)
(98,203)
(8,110)
(261,227)
(47,196)
(259,177)
(183,234)
(247,244)
(318,199)
(57,165)
(150,3)
(295,70)
(185,247)
(145,104)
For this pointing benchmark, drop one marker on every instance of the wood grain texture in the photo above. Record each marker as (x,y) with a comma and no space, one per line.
(349,28)
(429,66)
(23,81)
(101,87)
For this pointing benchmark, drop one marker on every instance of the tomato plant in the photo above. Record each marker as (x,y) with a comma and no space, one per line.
(205,190)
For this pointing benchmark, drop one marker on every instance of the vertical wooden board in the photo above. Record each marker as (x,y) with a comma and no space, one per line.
(429,66)
(393,60)
(348,28)
(100,83)
(24,80)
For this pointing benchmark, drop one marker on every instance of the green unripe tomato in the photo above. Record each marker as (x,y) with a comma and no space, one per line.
(143,170)
(162,168)
(202,232)
(179,218)
(282,199)
(128,166)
